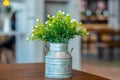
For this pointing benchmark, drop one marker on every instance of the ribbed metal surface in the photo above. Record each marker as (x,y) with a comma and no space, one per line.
(58,62)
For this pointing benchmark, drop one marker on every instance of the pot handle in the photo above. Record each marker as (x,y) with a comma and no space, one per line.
(46,49)
(71,50)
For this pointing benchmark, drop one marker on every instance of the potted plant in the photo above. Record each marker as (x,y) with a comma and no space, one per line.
(57,30)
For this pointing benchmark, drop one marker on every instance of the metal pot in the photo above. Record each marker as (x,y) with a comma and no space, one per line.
(58,62)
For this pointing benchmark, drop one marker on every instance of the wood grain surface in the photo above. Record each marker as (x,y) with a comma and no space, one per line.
(35,71)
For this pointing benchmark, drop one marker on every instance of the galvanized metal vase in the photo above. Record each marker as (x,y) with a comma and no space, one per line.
(58,62)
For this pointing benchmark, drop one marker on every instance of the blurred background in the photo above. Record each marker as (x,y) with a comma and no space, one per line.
(99,51)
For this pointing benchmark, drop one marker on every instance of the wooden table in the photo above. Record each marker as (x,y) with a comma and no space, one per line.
(35,71)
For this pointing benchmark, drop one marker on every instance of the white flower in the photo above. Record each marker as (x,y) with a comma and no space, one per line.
(49,24)
(45,22)
(27,39)
(59,11)
(84,29)
(36,26)
(87,33)
(52,16)
(67,14)
(32,34)
(37,20)
(63,12)
(48,15)
(73,20)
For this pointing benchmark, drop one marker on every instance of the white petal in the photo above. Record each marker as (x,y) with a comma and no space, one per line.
(48,15)
(45,22)
(73,20)
(27,39)
(32,30)
(59,10)
(87,33)
(67,14)
(84,29)
(37,20)
(63,12)
(36,26)
(32,34)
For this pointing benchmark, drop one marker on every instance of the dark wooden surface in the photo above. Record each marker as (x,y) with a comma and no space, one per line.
(35,71)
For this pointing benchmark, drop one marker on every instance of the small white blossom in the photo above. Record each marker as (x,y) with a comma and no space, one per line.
(63,12)
(36,26)
(59,10)
(84,29)
(49,24)
(48,15)
(37,20)
(27,39)
(87,33)
(73,20)
(32,30)
(67,14)
(32,34)
(45,22)
(52,16)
